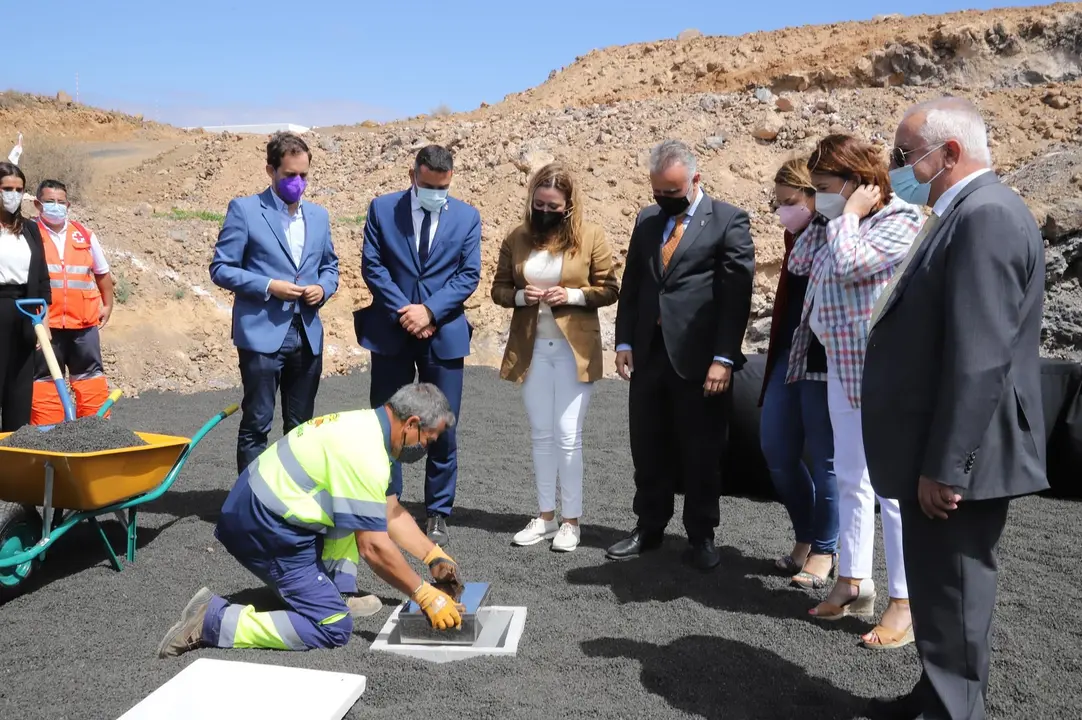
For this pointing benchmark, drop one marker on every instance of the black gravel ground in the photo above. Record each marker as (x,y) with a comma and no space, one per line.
(639,639)
(82,435)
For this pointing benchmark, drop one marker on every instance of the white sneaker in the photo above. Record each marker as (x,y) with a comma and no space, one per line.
(567,539)
(539,529)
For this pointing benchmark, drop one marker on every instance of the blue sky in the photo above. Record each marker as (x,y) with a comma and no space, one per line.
(204,62)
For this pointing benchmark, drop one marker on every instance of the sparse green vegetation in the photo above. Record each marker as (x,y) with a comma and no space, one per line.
(178,294)
(122,288)
(178,214)
(353,219)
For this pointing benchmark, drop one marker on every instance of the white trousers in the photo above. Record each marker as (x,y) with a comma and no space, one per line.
(856,499)
(556,404)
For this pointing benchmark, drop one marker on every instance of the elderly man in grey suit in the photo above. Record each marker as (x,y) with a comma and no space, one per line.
(953,426)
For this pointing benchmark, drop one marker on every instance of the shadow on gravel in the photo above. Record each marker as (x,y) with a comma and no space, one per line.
(81,549)
(203,504)
(661,576)
(715,677)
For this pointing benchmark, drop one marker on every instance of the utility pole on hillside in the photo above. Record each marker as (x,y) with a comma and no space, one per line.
(76,87)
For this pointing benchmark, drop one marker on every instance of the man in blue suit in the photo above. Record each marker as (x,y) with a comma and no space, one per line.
(274,253)
(421,260)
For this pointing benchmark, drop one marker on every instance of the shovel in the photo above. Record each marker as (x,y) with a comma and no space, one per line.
(105,406)
(38,318)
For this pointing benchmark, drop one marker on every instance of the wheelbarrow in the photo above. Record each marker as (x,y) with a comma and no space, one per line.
(78,487)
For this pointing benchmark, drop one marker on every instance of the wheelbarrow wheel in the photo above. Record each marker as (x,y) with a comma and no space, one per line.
(20,530)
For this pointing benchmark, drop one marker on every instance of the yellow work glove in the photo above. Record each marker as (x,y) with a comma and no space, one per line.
(441,610)
(443,568)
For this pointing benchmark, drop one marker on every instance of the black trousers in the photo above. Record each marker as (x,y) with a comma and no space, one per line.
(294,371)
(678,439)
(16,363)
(950,567)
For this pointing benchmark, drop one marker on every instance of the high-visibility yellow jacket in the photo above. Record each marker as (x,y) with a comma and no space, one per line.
(328,475)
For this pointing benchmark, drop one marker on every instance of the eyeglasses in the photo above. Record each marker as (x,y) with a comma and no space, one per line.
(898,156)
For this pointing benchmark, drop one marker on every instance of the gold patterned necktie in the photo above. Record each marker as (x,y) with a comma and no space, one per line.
(671,244)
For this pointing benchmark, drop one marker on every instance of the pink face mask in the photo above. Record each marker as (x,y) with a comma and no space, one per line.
(794,217)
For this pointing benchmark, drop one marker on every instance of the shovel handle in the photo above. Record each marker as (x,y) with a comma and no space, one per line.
(113,397)
(47,350)
(36,317)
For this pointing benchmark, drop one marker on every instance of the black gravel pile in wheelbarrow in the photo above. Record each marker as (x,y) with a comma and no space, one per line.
(82,435)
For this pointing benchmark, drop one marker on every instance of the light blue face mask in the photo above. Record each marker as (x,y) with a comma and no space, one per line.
(905,185)
(54,212)
(431,199)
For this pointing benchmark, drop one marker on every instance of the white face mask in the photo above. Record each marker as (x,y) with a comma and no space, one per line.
(13,200)
(831,205)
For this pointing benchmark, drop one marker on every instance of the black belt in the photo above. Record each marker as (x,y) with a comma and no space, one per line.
(14,292)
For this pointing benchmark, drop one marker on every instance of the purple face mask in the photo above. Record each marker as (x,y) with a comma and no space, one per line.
(290,189)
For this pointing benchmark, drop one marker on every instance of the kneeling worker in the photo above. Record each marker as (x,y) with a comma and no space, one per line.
(302,515)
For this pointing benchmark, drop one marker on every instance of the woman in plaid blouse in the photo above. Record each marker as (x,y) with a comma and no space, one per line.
(861,234)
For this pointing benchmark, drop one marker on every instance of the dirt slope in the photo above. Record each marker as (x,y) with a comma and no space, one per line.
(1001,48)
(744,103)
(60,118)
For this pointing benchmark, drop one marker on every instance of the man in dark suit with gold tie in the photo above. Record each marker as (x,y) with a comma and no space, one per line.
(680,323)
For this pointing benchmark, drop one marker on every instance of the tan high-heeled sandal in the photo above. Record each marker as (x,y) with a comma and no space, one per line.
(887,638)
(862,606)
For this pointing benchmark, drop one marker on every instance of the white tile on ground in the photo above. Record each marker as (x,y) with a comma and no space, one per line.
(226,690)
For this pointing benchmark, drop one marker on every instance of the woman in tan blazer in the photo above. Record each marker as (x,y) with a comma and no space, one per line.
(555,270)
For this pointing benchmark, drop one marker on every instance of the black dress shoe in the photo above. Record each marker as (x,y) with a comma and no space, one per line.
(634,544)
(903,707)
(702,555)
(436,529)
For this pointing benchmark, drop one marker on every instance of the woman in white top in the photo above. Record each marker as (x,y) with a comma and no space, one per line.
(23,274)
(555,270)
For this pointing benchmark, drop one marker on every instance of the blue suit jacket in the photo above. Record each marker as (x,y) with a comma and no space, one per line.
(391,269)
(251,251)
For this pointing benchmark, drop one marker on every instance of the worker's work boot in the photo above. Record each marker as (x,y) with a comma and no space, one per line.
(363,605)
(188,633)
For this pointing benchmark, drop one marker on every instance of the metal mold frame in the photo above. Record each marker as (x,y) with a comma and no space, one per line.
(415,629)
(502,629)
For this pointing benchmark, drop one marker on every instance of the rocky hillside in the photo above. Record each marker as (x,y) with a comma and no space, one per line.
(976,49)
(744,103)
(61,118)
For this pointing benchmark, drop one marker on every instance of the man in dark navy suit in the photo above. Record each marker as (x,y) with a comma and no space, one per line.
(421,260)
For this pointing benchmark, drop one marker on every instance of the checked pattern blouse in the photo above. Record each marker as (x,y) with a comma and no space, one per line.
(854,261)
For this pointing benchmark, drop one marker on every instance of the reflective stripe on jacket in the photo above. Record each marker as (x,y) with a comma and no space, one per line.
(76,299)
(329,475)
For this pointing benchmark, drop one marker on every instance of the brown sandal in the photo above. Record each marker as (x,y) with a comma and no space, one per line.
(888,639)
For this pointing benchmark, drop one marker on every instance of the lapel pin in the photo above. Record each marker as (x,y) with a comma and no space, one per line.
(702,223)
